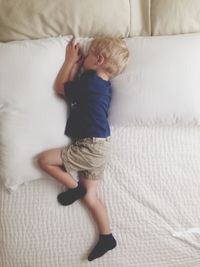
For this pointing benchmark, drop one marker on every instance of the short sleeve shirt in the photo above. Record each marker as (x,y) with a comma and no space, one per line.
(89,98)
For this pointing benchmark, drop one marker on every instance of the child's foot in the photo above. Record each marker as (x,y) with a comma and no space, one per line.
(105,243)
(68,197)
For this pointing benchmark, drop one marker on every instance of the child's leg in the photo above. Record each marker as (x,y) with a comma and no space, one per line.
(95,205)
(98,209)
(51,162)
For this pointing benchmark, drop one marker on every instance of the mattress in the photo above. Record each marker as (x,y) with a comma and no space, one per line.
(151,188)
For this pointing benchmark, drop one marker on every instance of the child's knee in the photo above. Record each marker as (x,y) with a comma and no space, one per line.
(90,199)
(42,160)
(50,157)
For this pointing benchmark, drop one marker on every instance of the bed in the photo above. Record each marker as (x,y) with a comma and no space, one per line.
(151,186)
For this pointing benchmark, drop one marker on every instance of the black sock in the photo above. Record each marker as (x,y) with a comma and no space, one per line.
(105,243)
(72,194)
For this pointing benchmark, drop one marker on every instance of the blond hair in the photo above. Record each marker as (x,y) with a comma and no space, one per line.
(114,51)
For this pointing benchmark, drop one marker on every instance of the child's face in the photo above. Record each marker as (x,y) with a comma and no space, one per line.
(90,62)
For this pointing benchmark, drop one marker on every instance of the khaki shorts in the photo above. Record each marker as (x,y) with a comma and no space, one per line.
(88,156)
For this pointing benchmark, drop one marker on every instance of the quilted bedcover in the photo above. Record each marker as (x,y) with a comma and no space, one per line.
(152,192)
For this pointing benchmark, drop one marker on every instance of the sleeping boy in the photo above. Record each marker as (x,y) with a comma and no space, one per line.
(89,96)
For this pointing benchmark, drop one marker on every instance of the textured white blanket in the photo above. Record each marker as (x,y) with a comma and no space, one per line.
(152,191)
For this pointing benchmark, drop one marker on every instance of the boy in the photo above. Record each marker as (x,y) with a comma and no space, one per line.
(87,125)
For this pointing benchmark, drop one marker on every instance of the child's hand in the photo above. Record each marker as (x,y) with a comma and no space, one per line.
(73,53)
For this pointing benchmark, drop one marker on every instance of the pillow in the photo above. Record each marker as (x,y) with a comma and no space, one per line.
(140,21)
(173,17)
(161,84)
(32,114)
(33,19)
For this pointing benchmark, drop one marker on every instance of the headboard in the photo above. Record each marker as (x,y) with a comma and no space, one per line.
(34,19)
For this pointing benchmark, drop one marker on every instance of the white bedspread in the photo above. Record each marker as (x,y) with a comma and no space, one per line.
(152,191)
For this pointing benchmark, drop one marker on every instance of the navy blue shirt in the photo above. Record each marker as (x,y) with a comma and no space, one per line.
(90,98)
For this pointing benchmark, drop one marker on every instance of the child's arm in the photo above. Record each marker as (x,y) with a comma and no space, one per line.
(76,68)
(71,58)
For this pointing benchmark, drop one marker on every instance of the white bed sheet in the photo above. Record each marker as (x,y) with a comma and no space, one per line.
(152,192)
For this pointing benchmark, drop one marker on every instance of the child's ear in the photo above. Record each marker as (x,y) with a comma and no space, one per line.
(100,59)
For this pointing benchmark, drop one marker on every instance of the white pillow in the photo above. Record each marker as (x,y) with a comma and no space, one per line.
(161,84)
(32,115)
